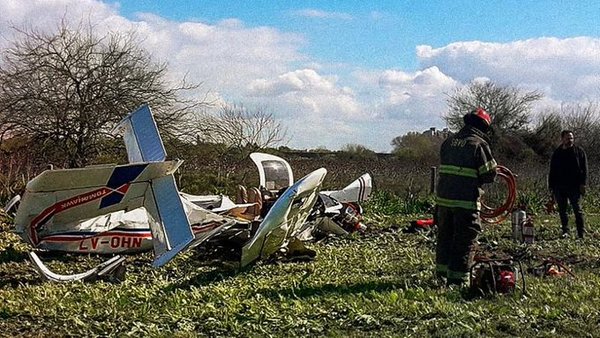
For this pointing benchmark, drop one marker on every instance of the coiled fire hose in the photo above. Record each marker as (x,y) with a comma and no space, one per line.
(499,214)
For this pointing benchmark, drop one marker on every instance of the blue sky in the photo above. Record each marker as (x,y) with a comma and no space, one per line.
(383,34)
(362,72)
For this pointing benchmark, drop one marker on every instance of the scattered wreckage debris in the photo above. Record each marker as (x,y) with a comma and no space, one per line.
(551,267)
(10,206)
(420,225)
(136,207)
(497,272)
(491,275)
(112,270)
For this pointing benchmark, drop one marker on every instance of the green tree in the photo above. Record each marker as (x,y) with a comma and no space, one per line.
(418,146)
(357,151)
(320,149)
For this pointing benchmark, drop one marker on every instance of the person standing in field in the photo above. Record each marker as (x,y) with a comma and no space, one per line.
(466,164)
(567,180)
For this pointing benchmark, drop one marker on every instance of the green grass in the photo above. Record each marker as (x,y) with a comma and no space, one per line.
(377,284)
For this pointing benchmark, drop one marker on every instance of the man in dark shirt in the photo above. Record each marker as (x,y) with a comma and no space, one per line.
(567,180)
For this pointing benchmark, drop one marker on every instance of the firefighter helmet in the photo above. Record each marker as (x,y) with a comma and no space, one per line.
(478,117)
(482,114)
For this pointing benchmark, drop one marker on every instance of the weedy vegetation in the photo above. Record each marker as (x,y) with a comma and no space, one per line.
(379,283)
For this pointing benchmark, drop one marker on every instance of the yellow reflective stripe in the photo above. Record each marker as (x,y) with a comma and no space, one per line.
(487,167)
(445,202)
(459,171)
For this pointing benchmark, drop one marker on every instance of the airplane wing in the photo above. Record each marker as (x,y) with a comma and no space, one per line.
(285,219)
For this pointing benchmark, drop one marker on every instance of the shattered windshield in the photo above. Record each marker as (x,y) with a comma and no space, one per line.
(276,175)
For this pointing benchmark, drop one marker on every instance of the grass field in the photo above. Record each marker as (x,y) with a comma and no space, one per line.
(376,284)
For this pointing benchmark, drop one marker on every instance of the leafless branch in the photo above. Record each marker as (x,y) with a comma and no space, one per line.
(68,88)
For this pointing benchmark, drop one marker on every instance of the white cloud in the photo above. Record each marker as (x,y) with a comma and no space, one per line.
(46,14)
(306,80)
(319,100)
(415,99)
(309,93)
(225,56)
(567,69)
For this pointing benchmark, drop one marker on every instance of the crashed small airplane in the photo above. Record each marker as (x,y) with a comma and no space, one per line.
(137,207)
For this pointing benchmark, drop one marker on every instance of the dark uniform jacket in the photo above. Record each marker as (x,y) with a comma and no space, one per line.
(568,168)
(466,164)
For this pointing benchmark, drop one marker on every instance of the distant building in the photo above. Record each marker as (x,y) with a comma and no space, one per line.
(433,132)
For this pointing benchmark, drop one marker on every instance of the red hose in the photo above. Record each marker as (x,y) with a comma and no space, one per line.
(500,213)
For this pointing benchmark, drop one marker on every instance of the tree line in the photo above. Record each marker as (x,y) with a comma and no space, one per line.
(62,92)
(519,132)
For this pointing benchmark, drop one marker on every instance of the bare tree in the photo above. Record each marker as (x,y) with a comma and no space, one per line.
(509,107)
(236,131)
(544,136)
(584,121)
(581,118)
(67,89)
(238,127)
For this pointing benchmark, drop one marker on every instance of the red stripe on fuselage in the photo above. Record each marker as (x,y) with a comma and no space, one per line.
(61,206)
(74,238)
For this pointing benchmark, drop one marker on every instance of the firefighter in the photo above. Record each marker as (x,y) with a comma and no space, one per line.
(466,163)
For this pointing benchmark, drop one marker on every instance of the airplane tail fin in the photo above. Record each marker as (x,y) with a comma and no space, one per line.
(170,227)
(141,136)
(171,230)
